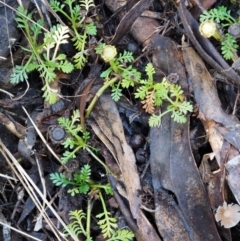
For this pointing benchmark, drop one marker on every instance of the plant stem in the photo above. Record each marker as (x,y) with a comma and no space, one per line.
(98,94)
(114,66)
(97,159)
(103,202)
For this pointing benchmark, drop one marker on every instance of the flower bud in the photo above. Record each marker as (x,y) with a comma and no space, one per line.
(108,53)
(209,29)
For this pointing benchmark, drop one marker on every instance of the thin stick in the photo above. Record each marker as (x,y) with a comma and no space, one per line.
(18,231)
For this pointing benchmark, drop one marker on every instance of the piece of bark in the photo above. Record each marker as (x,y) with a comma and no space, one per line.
(233,177)
(109,122)
(204,89)
(129,18)
(231,134)
(199,5)
(212,116)
(180,163)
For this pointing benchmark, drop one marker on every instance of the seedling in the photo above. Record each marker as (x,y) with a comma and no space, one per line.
(219,15)
(81,29)
(77,139)
(43,57)
(81,221)
(154,94)
(211,21)
(120,75)
(81,182)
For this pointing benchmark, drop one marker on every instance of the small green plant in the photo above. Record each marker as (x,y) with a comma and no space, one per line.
(81,182)
(220,16)
(77,139)
(82,31)
(43,57)
(154,94)
(120,67)
(80,221)
(119,76)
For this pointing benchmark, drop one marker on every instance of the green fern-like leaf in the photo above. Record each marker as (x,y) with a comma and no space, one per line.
(116,94)
(178,117)
(19,74)
(69,143)
(71,126)
(161,93)
(75,141)
(47,73)
(141,92)
(121,235)
(175,90)
(66,123)
(31,66)
(76,15)
(65,66)
(49,94)
(184,107)
(125,57)
(85,173)
(79,41)
(107,188)
(67,155)
(91,29)
(75,117)
(59,179)
(73,191)
(130,76)
(22,17)
(218,14)
(150,71)
(80,59)
(105,74)
(229,47)
(82,179)
(107,224)
(36,28)
(154,120)
(99,48)
(84,188)
(56,5)
(76,226)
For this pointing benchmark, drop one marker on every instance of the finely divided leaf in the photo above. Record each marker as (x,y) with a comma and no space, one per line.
(19,74)
(125,57)
(107,224)
(116,94)
(122,235)
(59,179)
(60,34)
(91,29)
(87,4)
(65,66)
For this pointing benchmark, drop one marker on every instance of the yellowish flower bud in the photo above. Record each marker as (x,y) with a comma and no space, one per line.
(108,53)
(209,29)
